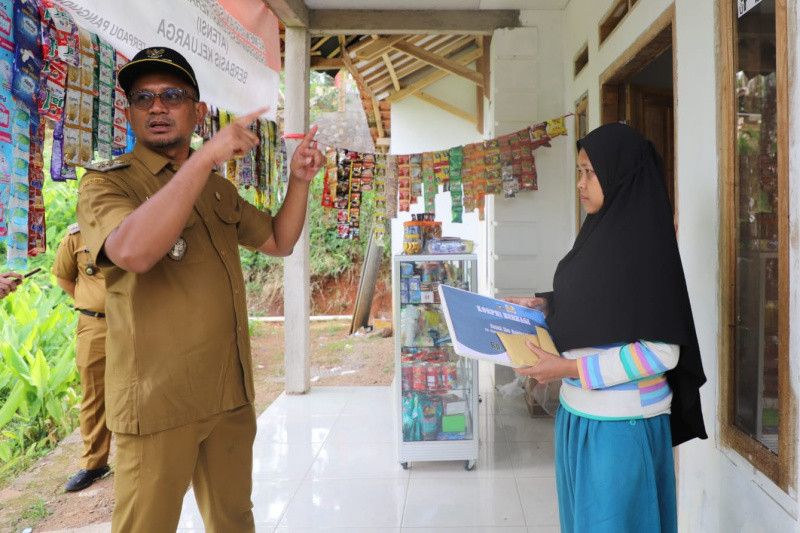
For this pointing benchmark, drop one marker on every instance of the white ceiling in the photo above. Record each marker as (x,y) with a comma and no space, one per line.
(437,4)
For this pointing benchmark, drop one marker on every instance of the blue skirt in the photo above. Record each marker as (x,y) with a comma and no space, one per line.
(615,476)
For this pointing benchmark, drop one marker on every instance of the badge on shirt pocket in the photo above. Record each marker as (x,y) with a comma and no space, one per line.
(178,250)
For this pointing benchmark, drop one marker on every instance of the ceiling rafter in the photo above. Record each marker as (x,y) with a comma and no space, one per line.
(427,21)
(392,73)
(414,66)
(465,58)
(440,62)
(406,64)
(446,106)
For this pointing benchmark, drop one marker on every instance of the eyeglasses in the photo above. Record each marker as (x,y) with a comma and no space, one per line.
(171,98)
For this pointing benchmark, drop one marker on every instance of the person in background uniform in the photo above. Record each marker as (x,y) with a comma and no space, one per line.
(83,281)
(9,281)
(165,230)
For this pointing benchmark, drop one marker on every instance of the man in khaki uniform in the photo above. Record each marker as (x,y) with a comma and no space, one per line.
(165,230)
(82,280)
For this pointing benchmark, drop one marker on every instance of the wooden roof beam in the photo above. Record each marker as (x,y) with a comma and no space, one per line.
(408,65)
(446,106)
(378,47)
(377,61)
(465,59)
(321,41)
(324,63)
(293,13)
(440,62)
(361,21)
(392,73)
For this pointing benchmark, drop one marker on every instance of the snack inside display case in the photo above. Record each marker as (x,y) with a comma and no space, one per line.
(437,388)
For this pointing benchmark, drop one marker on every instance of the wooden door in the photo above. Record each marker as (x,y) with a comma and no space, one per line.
(650,112)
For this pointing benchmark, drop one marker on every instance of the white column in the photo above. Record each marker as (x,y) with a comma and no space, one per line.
(296,277)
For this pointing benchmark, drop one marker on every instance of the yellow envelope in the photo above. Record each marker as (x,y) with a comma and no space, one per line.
(518,351)
(546,341)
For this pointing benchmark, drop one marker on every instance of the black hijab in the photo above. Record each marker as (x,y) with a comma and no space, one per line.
(623,279)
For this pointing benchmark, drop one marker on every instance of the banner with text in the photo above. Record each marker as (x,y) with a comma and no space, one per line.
(229,61)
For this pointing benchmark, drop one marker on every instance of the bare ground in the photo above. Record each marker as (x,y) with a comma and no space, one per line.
(36,498)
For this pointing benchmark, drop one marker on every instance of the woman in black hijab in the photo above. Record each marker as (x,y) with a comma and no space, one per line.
(630,366)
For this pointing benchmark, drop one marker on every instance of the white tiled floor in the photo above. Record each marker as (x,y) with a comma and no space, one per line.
(327,461)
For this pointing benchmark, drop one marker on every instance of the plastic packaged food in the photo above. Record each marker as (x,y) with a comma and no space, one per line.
(412,237)
(448,245)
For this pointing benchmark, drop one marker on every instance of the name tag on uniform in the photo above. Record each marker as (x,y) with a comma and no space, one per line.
(178,250)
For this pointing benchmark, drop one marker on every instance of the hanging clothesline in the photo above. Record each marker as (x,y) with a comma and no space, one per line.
(505,164)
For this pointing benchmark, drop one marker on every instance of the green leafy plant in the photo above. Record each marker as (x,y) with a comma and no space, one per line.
(38,379)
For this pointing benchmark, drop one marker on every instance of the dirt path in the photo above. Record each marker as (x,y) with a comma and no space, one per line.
(36,498)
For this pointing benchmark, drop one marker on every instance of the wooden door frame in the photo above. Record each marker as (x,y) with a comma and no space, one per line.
(581,107)
(654,41)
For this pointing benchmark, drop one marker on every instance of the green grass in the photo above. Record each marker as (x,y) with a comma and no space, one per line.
(36,512)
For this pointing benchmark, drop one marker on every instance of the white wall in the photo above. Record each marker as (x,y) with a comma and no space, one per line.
(529,234)
(418,126)
(718,490)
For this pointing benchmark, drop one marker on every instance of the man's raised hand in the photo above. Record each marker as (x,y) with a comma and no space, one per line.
(307,159)
(234,140)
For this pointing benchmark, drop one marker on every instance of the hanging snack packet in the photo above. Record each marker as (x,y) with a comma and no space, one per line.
(57,153)
(64,30)
(37,242)
(456,159)
(478,172)
(6,109)
(379,176)
(245,170)
(539,135)
(506,148)
(79,109)
(342,201)
(259,159)
(510,182)
(329,179)
(120,102)
(403,182)
(524,163)
(391,186)
(105,99)
(468,176)
(52,85)
(415,167)
(367,171)
(354,214)
(494,169)
(270,154)
(6,46)
(429,182)
(19,195)
(27,52)
(556,127)
(279,176)
(441,168)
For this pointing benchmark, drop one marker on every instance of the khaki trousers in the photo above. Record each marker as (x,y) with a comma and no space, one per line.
(90,359)
(153,473)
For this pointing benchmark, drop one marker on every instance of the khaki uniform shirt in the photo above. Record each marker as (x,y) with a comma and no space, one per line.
(72,260)
(178,348)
